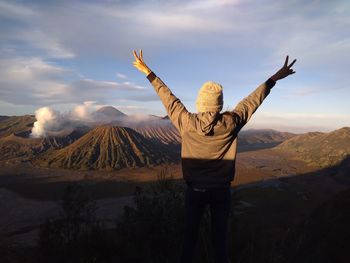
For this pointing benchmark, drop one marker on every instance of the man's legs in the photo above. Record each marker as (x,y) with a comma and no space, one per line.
(194,207)
(220,203)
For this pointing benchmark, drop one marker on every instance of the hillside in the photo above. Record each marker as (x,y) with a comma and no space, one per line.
(253,136)
(108,147)
(323,149)
(161,130)
(24,148)
(21,125)
(152,127)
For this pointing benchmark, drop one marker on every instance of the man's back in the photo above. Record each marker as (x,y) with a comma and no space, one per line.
(209,143)
(209,149)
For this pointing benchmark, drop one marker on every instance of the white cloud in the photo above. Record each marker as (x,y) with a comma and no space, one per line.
(11,10)
(298,122)
(48,43)
(121,76)
(315,32)
(34,81)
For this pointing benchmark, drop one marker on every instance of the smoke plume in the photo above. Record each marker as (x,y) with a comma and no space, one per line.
(50,122)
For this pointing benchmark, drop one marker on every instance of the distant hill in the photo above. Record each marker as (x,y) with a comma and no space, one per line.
(108,147)
(24,148)
(152,127)
(21,125)
(323,149)
(253,136)
(2,117)
(167,134)
(158,129)
(108,112)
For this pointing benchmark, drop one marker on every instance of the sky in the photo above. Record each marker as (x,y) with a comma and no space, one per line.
(61,54)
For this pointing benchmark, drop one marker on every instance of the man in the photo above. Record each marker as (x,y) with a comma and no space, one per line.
(208,152)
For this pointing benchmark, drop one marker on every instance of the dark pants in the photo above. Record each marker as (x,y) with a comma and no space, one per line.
(219,200)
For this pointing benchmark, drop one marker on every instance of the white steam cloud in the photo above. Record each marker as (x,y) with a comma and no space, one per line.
(47,119)
(50,122)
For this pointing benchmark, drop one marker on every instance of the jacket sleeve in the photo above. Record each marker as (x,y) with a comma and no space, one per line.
(177,112)
(245,108)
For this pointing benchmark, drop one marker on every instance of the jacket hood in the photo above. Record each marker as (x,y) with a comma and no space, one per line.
(206,121)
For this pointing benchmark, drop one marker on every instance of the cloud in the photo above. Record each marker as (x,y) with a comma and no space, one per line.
(11,10)
(158,25)
(121,76)
(50,122)
(42,39)
(298,122)
(34,81)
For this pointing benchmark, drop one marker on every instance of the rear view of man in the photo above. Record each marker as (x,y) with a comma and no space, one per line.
(208,152)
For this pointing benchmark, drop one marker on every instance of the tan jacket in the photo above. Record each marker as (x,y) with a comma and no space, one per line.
(209,139)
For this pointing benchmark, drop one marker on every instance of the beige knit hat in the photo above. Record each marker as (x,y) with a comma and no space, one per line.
(210,97)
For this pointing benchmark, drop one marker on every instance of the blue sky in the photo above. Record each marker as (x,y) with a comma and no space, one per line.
(64,53)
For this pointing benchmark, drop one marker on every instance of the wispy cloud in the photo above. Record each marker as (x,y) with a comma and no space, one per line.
(299,122)
(121,76)
(11,10)
(45,46)
(33,81)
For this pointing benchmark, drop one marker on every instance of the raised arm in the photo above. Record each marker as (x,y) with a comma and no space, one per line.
(245,109)
(174,107)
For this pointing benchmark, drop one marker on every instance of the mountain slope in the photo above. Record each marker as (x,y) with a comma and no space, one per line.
(20,125)
(108,113)
(163,131)
(25,148)
(253,136)
(323,149)
(108,147)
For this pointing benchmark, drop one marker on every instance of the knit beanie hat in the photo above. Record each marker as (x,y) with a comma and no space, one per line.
(210,97)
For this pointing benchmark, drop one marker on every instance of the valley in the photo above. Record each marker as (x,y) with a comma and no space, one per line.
(281,178)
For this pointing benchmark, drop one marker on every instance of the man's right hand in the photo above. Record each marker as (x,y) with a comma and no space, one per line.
(140,64)
(284,71)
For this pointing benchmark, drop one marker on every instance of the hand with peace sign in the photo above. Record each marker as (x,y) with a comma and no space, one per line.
(140,64)
(284,71)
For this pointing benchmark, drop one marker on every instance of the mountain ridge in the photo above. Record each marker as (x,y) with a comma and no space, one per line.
(108,147)
(324,149)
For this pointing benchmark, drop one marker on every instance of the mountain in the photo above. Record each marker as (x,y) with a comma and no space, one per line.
(167,134)
(25,148)
(108,147)
(20,125)
(323,149)
(108,113)
(152,127)
(253,136)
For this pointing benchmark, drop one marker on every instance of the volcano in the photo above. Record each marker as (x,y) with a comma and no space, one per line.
(109,147)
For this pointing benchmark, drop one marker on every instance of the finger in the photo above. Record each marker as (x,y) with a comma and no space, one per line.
(292,63)
(292,72)
(141,56)
(135,55)
(286,61)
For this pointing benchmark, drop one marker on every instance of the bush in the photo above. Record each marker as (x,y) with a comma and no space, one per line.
(150,231)
(76,235)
